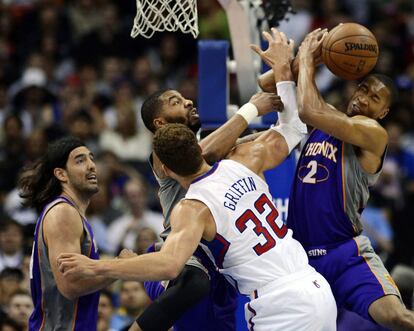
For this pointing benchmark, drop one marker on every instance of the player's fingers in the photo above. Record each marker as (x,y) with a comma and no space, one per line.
(278,106)
(292,44)
(283,37)
(70,271)
(267,36)
(63,267)
(65,255)
(256,49)
(321,33)
(316,31)
(323,37)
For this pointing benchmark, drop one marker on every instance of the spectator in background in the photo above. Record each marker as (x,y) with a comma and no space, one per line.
(123,231)
(100,215)
(126,141)
(378,229)
(81,125)
(11,244)
(105,311)
(14,207)
(145,238)
(33,100)
(35,145)
(4,107)
(11,152)
(19,308)
(10,281)
(85,16)
(8,324)
(133,301)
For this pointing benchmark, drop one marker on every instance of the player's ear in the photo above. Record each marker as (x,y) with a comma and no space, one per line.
(384,113)
(159,122)
(167,171)
(60,174)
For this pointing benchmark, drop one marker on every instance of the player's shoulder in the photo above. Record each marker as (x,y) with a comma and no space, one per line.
(190,205)
(62,214)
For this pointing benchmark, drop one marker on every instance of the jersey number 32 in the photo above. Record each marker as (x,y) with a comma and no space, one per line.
(259,229)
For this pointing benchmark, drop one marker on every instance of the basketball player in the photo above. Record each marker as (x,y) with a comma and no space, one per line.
(228,206)
(220,195)
(199,292)
(342,157)
(60,186)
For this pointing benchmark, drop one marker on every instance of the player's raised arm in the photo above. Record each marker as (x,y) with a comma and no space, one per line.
(273,146)
(356,127)
(217,144)
(188,223)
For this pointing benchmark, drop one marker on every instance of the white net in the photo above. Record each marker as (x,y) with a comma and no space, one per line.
(165,15)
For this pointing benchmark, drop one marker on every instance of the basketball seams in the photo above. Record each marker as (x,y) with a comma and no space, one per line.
(352,55)
(342,70)
(355,35)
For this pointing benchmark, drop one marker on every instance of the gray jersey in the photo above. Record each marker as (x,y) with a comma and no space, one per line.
(53,311)
(357,183)
(170,193)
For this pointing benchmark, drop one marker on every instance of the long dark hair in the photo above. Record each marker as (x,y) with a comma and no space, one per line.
(38,184)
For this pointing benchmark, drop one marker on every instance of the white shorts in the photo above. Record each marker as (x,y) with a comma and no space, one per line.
(301,301)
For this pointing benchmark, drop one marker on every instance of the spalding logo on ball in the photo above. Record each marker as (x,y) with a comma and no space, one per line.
(350,51)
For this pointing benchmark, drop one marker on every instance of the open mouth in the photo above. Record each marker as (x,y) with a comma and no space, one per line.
(194,114)
(92,178)
(356,109)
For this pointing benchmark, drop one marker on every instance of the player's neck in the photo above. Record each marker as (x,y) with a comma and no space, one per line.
(80,203)
(186,181)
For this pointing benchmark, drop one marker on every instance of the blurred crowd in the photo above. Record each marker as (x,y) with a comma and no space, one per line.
(70,67)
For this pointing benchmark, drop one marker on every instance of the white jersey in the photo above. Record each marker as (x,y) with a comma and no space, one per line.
(252,246)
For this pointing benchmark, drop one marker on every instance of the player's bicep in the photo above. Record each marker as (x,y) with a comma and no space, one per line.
(187,228)
(62,230)
(360,131)
(367,134)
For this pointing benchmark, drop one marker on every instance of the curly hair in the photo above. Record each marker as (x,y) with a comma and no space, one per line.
(177,147)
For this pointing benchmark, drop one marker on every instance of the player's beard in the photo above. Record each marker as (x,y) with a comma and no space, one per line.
(84,188)
(193,126)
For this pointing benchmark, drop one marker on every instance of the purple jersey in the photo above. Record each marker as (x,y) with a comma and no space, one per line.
(52,311)
(329,192)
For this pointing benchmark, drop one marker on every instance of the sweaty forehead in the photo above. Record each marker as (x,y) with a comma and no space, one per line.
(376,86)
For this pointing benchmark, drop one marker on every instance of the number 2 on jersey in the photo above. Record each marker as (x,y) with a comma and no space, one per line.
(309,178)
(259,229)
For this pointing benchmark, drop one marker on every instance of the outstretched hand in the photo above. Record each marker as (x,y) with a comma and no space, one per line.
(72,264)
(279,51)
(266,102)
(311,46)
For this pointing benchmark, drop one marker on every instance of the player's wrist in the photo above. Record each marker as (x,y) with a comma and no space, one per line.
(282,73)
(248,111)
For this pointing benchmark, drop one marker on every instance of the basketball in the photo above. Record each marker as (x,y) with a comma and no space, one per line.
(350,51)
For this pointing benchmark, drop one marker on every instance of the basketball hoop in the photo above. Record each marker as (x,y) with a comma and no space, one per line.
(165,15)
